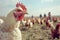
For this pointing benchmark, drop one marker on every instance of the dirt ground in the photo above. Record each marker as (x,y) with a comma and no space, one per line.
(37,32)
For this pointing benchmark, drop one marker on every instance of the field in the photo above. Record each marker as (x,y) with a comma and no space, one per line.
(37,32)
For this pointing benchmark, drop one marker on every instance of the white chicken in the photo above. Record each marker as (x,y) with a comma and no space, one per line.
(9,30)
(1,21)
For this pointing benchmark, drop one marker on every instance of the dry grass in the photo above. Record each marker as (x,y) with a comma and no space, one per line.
(38,32)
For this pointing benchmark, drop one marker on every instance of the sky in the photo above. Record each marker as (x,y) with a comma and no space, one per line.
(34,7)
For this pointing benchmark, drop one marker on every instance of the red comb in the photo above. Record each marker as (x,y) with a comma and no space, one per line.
(22,6)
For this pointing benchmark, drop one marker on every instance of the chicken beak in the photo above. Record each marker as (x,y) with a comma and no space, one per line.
(26,13)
